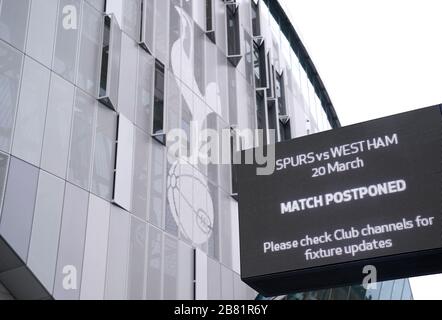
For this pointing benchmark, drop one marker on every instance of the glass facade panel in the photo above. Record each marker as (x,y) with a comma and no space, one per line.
(239,287)
(211,69)
(115,46)
(43,248)
(161,30)
(55,151)
(185,286)
(10,74)
(222,85)
(104,153)
(213,280)
(90,45)
(31,114)
(14,21)
(79,169)
(213,203)
(132,18)
(199,57)
(184,195)
(122,195)
(147,24)
(406,293)
(66,39)
(172,202)
(128,78)
(95,252)
(137,259)
(118,255)
(387,288)
(175,44)
(140,180)
(71,244)
(97,4)
(4,164)
(226,230)
(226,283)
(170,272)
(202,211)
(232,93)
(398,287)
(154,264)
(235,237)
(157,186)
(18,206)
(41,31)
(201,275)
(173,102)
(145,89)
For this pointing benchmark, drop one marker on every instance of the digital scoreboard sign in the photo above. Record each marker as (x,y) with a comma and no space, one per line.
(368,194)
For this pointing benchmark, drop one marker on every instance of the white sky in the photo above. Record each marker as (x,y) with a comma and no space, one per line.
(376,58)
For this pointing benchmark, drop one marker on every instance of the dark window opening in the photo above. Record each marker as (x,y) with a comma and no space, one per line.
(158,105)
(142,22)
(105,57)
(235,147)
(259,65)
(256,19)
(271,83)
(110,63)
(261,117)
(233,35)
(285,129)
(210,21)
(273,120)
(280,93)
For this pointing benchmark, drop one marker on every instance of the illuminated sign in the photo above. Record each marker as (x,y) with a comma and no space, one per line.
(368,194)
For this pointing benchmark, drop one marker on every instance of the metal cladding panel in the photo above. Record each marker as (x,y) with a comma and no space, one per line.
(124,161)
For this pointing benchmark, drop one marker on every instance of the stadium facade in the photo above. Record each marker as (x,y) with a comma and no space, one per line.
(94,203)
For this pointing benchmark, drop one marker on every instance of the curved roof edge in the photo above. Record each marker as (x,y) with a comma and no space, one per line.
(298,47)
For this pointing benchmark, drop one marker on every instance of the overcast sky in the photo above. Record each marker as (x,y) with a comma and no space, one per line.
(376,58)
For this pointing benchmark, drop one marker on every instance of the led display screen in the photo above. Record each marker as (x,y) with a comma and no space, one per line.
(367,194)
